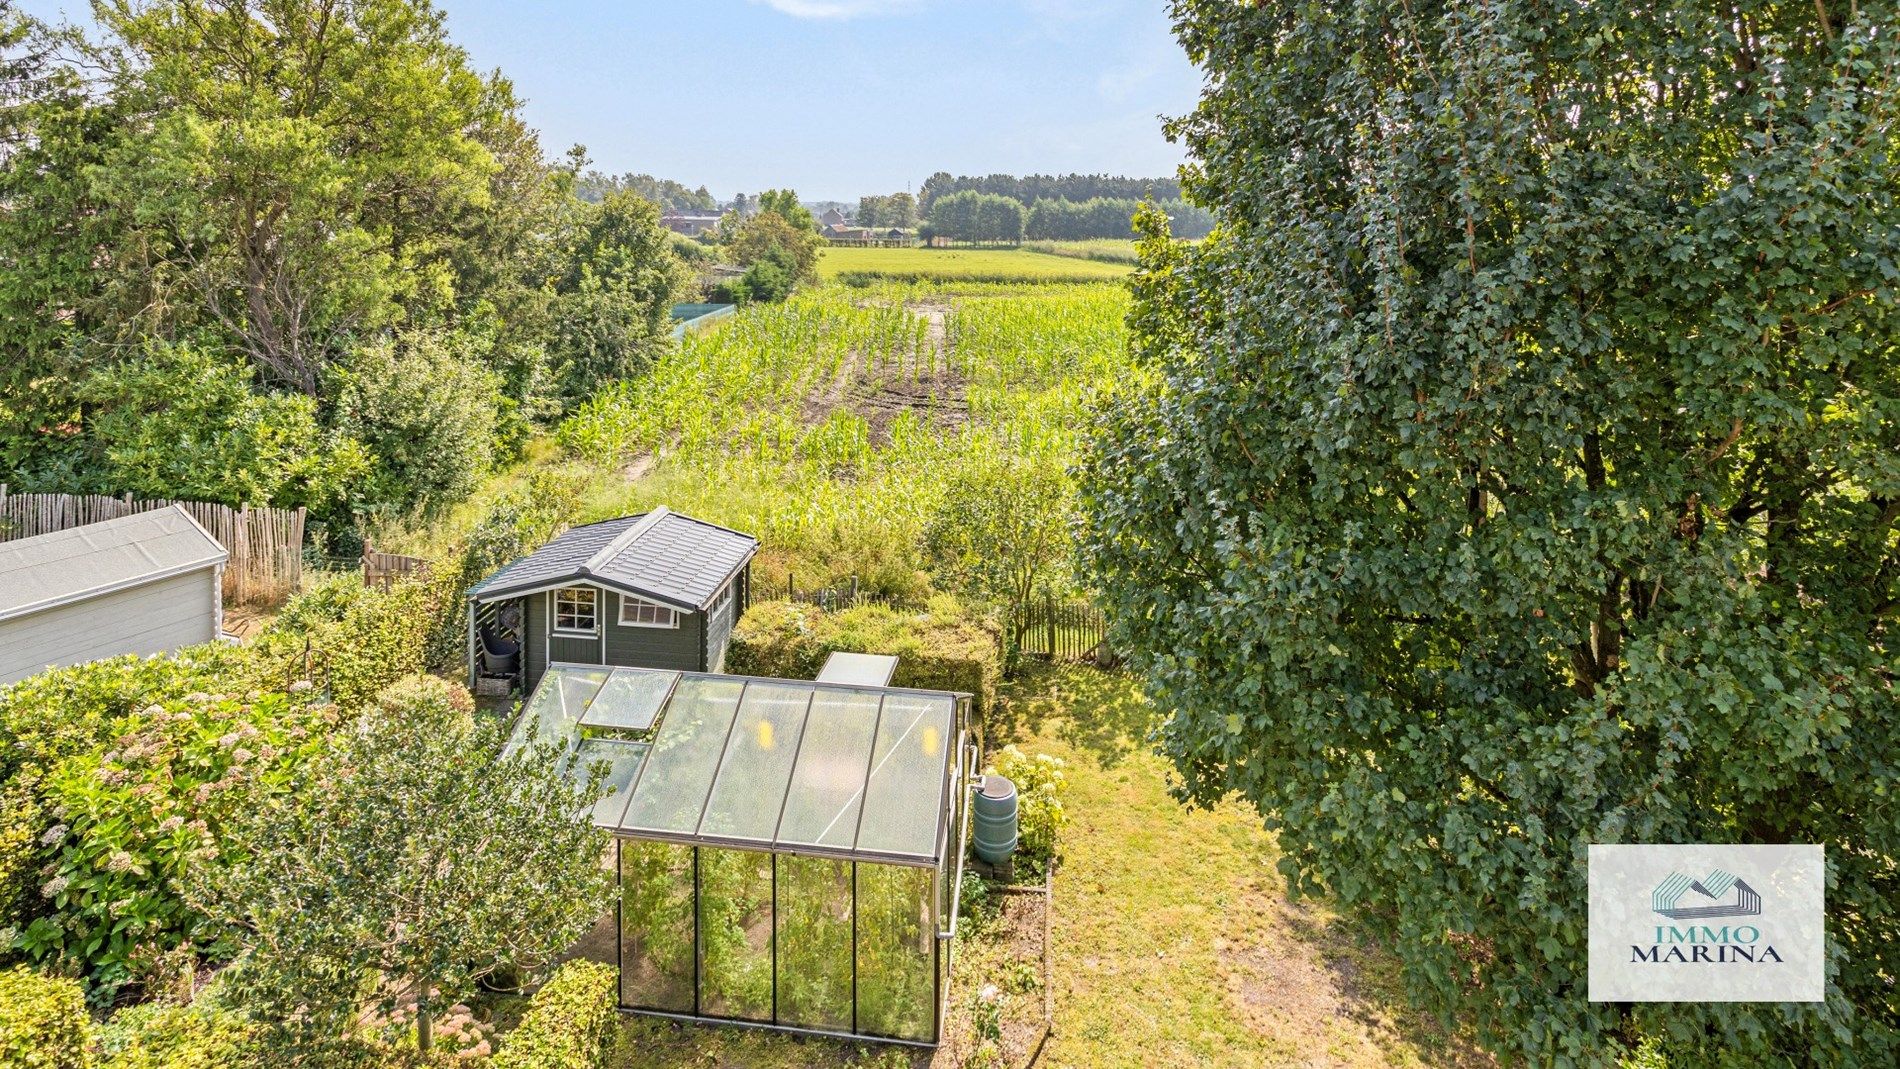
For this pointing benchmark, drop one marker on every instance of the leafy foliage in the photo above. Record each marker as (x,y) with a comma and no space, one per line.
(162,1035)
(426,416)
(1106,217)
(1524,477)
(414,851)
(185,422)
(612,301)
(136,820)
(770,237)
(897,209)
(667,194)
(1002,533)
(570,1022)
(49,718)
(1028,189)
(283,217)
(42,1022)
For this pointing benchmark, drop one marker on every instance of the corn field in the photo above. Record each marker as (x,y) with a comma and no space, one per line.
(829,425)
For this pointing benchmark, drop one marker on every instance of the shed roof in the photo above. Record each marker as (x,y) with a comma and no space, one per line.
(62,567)
(659,555)
(771,764)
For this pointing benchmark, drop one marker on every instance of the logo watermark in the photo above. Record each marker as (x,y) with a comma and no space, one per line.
(1707,923)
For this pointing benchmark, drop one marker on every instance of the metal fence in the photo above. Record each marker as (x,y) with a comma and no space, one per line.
(266,544)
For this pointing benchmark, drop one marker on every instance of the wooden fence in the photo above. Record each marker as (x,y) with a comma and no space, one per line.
(266,544)
(383,570)
(1064,631)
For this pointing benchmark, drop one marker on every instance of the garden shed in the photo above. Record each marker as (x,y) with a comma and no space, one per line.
(655,590)
(146,583)
(788,851)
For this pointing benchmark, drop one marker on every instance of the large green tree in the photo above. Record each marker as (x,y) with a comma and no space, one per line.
(1525,474)
(614,298)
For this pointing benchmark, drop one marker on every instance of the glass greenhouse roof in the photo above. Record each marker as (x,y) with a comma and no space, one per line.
(785,765)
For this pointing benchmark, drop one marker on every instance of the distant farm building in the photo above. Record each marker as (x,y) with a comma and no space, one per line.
(867,235)
(832,217)
(147,583)
(691,224)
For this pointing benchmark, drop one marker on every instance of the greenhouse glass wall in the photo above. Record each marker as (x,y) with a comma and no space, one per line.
(788,851)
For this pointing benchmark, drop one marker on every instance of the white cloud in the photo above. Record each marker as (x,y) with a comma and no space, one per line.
(837,9)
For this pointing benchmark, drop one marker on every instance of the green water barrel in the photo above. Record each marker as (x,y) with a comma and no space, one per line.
(994,810)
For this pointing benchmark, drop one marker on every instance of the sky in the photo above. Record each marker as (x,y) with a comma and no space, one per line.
(834,98)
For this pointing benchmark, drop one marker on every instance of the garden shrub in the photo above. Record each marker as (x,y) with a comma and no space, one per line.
(1040,784)
(42,1022)
(941,647)
(425,414)
(135,816)
(202,1035)
(569,1024)
(54,715)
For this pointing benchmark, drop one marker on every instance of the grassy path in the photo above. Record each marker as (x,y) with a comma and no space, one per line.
(1174,941)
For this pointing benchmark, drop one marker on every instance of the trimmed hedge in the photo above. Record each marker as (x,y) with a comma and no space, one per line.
(42,1022)
(570,1022)
(165,1036)
(942,647)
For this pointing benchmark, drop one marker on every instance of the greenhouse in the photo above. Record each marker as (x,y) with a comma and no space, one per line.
(788,851)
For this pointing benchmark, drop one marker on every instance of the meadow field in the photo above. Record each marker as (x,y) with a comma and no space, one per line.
(854,264)
(1105,250)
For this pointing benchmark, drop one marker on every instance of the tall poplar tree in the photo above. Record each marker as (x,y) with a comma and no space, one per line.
(1525,474)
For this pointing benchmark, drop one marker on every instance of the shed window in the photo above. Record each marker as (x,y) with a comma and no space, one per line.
(576,611)
(637,613)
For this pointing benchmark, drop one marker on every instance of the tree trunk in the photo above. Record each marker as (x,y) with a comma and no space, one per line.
(424,1040)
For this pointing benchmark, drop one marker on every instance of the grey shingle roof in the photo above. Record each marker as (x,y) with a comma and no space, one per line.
(46,570)
(660,555)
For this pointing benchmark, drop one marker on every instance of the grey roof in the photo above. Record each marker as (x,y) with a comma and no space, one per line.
(659,555)
(55,569)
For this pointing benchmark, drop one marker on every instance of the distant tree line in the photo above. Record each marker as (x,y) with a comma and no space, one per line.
(990,217)
(897,209)
(973,216)
(1067,208)
(1028,189)
(594,187)
(1107,217)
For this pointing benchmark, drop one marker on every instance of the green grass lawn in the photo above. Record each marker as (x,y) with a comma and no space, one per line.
(961,265)
(1174,943)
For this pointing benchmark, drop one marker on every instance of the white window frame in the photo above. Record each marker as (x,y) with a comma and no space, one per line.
(593,610)
(661,616)
(720,601)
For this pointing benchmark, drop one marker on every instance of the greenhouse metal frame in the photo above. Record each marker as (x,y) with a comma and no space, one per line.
(787,852)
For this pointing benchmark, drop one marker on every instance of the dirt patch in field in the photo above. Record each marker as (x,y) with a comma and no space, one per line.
(880,393)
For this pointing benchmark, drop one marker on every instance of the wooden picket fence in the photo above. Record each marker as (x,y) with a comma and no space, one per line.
(266,544)
(384,570)
(1064,631)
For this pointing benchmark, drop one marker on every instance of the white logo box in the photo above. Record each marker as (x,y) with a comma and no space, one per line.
(1707,923)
